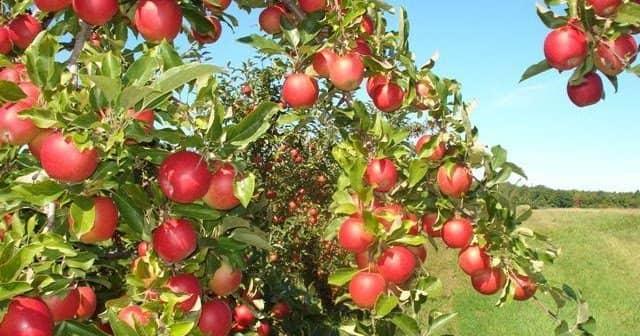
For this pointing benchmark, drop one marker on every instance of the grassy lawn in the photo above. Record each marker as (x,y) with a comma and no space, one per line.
(600,256)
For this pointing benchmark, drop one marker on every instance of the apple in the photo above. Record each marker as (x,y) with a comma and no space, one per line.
(473,260)
(243,315)
(566,47)
(588,92)
(429,220)
(347,72)
(457,232)
(174,240)
(362,48)
(104,224)
(216,318)
(23,29)
(87,304)
(381,174)
(366,25)
(220,194)
(353,236)
(281,310)
(605,8)
(264,328)
(310,6)
(15,73)
(611,57)
(184,177)
(419,251)
(27,316)
(52,5)
(525,287)
(158,20)
(300,91)
(322,61)
(134,315)
(456,183)
(63,161)
(143,248)
(146,117)
(365,288)
(423,91)
(219,5)
(185,284)
(488,282)
(397,264)
(95,40)
(213,35)
(388,97)
(32,92)
(374,82)
(6,44)
(270,19)
(225,280)
(388,214)
(438,152)
(14,129)
(364,261)
(95,12)
(63,306)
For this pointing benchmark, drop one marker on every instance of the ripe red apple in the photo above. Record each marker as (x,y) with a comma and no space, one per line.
(225,280)
(146,117)
(388,214)
(14,129)
(397,264)
(365,288)
(347,72)
(215,318)
(280,310)
(6,45)
(52,5)
(175,240)
(589,92)
(300,91)
(63,306)
(311,6)
(219,5)
(184,177)
(364,262)
(366,25)
(605,7)
(185,284)
(489,282)
(134,315)
(473,260)
(381,174)
(158,20)
(611,57)
(362,48)
(388,97)
(63,161)
(374,82)
(457,232)
(429,220)
(23,30)
(31,91)
(525,287)
(95,12)
(88,302)
(353,236)
(143,248)
(264,328)
(16,73)
(455,184)
(104,224)
(322,61)
(220,194)
(566,47)
(243,315)
(438,152)
(27,317)
(423,91)
(270,19)
(213,35)
(419,251)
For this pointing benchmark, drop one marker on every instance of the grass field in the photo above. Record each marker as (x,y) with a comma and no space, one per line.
(600,256)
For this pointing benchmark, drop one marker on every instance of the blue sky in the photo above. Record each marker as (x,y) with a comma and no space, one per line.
(487,49)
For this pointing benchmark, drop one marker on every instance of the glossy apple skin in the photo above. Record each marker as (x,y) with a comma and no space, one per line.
(16,73)
(347,72)
(63,161)
(23,30)
(322,62)
(310,6)
(220,194)
(63,306)
(184,177)
(382,174)
(185,284)
(353,235)
(146,117)
(300,91)
(374,82)
(611,57)
(32,92)
(457,184)
(366,25)
(429,220)
(388,97)
(270,19)
(489,282)
(174,240)
(439,151)
(216,318)
(281,310)
(605,8)
(457,232)
(88,302)
(212,36)
(525,288)
(397,264)
(104,224)
(6,44)
(388,214)
(264,328)
(225,280)
(362,48)
(134,315)
(473,260)
(243,316)
(14,129)
(52,5)
(566,47)
(365,288)
(95,12)
(158,20)
(27,317)
(589,92)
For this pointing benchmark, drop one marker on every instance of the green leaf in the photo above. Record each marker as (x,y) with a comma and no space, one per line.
(196,211)
(181,328)
(176,77)
(11,289)
(549,18)
(38,193)
(439,322)
(535,70)
(83,213)
(243,189)
(417,171)
(499,156)
(628,13)
(342,276)
(10,270)
(141,70)
(253,237)
(10,92)
(253,126)
(385,304)
(75,328)
(110,87)
(263,44)
(130,215)
(407,324)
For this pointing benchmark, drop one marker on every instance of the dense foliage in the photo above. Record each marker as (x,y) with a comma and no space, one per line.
(543,197)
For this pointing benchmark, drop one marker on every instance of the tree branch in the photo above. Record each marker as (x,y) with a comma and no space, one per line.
(295,9)
(50,212)
(78,45)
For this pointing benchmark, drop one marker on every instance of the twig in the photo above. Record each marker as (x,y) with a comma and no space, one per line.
(78,45)
(50,212)
(295,9)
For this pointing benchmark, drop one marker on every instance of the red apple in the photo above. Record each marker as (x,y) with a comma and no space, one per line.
(347,72)
(489,282)
(605,7)
(143,248)
(63,161)
(423,91)
(611,57)
(388,214)
(429,220)
(311,6)
(95,12)
(15,129)
(134,315)
(15,73)
(365,288)
(525,287)
(27,316)
(23,30)
(473,260)
(52,5)
(457,232)
(220,194)
(104,224)
(213,35)
(175,240)
(437,154)
(381,174)
(353,236)
(264,328)
(588,92)
(322,61)
(146,117)
(32,92)
(374,82)
(63,306)
(366,25)
(300,91)
(456,183)
(566,47)
(364,262)
(225,280)
(6,45)
(185,284)
(219,5)
(388,97)
(270,19)
(243,315)
(419,251)
(184,177)
(215,318)
(362,48)
(87,305)
(158,20)
(281,310)
(397,264)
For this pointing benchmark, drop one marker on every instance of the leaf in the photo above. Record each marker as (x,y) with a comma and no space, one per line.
(417,171)
(385,304)
(253,126)
(130,215)
(243,189)
(110,87)
(439,322)
(549,18)
(83,214)
(407,324)
(39,193)
(11,289)
(499,156)
(10,92)
(74,328)
(342,276)
(10,270)
(251,237)
(263,44)
(196,211)
(177,77)
(535,70)
(181,328)
(628,13)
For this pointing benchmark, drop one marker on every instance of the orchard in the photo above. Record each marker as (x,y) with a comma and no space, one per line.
(145,191)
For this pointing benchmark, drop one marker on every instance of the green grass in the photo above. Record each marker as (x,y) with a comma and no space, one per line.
(600,256)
